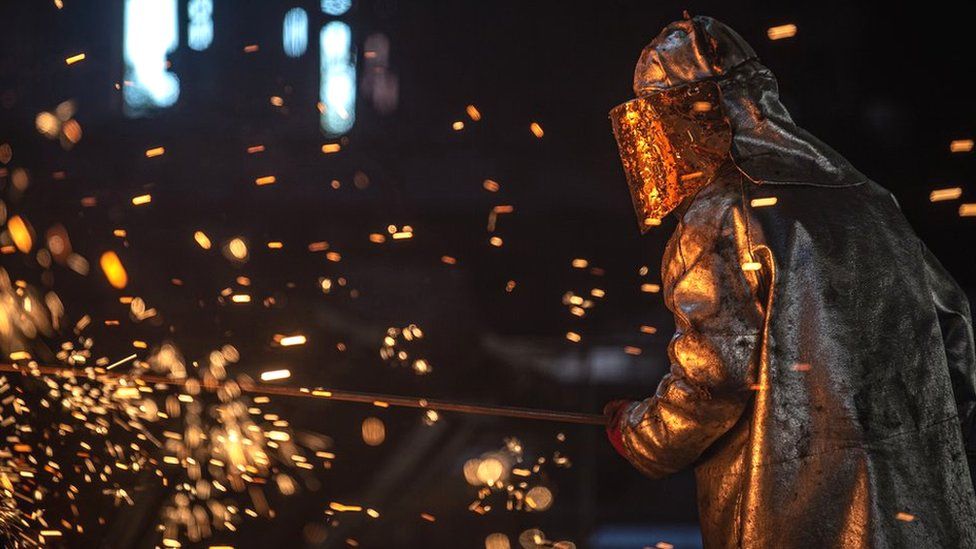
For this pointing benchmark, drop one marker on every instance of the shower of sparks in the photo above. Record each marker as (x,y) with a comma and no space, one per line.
(394,348)
(505,478)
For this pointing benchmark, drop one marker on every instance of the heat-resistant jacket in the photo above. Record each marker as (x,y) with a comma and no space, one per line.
(823,378)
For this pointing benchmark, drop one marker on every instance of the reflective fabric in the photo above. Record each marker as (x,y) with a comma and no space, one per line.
(823,375)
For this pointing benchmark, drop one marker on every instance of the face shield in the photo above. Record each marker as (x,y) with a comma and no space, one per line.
(671,144)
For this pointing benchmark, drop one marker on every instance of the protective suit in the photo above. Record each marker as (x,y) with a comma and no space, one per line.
(823,378)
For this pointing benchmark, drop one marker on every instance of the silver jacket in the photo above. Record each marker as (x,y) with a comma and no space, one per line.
(823,378)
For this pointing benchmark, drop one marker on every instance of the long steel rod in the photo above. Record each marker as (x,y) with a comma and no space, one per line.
(376,399)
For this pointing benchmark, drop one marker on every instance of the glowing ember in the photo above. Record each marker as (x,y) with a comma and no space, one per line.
(20,233)
(202,239)
(961,146)
(782,31)
(763,202)
(939,195)
(114,271)
(274,375)
(290,341)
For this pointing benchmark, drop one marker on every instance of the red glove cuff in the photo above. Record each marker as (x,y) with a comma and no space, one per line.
(614,411)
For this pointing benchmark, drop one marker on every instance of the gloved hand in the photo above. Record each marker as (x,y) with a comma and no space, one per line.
(614,411)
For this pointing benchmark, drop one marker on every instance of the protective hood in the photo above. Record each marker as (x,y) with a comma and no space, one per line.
(767,146)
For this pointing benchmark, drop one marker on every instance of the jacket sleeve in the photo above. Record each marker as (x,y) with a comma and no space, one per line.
(713,287)
(956,324)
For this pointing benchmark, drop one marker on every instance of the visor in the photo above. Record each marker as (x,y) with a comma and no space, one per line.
(671,144)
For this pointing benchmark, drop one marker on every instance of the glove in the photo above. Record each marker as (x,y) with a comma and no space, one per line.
(614,411)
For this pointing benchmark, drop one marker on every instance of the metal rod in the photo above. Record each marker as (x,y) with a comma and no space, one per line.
(376,399)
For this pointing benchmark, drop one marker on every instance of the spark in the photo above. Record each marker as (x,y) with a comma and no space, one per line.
(782,31)
(274,375)
(939,195)
(961,146)
(763,202)
(473,113)
(155,151)
(114,271)
(141,199)
(20,233)
(536,130)
(202,239)
(75,58)
(290,341)
(122,361)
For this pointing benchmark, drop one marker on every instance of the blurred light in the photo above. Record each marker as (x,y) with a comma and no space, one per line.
(473,113)
(539,498)
(236,249)
(497,541)
(782,31)
(945,194)
(961,145)
(141,199)
(20,233)
(47,124)
(151,32)
(294,32)
(336,7)
(114,271)
(290,341)
(202,239)
(75,58)
(491,470)
(199,32)
(967,210)
(157,151)
(536,130)
(374,431)
(273,375)
(379,83)
(762,202)
(337,90)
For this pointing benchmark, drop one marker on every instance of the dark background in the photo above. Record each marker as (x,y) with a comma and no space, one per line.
(888,88)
